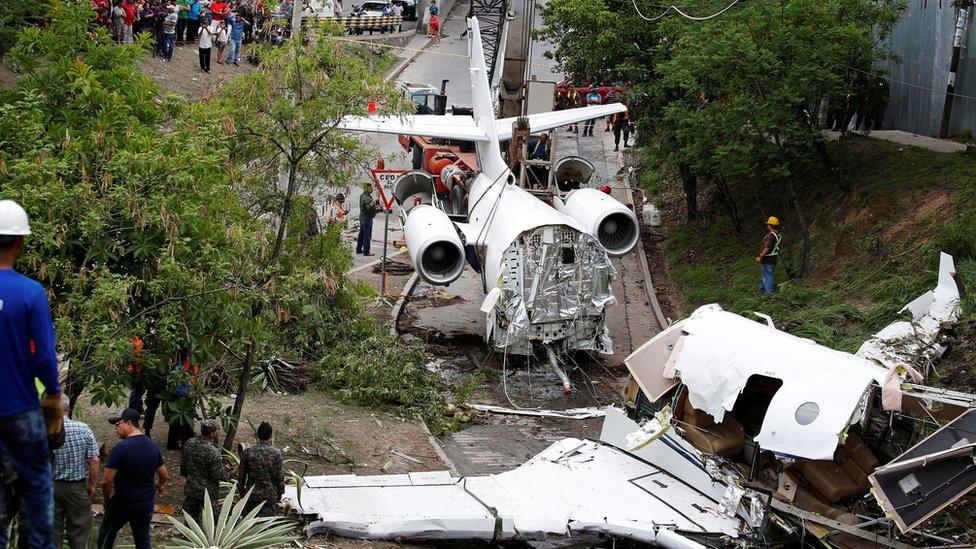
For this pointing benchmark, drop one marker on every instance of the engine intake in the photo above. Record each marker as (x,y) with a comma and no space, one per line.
(613,224)
(435,247)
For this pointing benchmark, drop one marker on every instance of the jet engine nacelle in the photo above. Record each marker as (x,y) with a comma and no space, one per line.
(613,224)
(434,244)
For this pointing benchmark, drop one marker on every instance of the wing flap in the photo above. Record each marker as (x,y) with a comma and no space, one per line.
(461,128)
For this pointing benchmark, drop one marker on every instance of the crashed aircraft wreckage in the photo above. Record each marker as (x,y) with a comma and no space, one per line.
(820,428)
(748,433)
(545,267)
(666,493)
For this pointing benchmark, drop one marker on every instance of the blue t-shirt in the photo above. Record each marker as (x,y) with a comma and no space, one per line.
(194,13)
(135,461)
(25,316)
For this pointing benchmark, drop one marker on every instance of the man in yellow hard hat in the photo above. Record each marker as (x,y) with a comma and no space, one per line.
(768,255)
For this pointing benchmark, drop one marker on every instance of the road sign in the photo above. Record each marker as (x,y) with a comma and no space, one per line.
(384,184)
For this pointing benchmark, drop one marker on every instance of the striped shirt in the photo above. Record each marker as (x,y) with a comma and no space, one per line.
(71,460)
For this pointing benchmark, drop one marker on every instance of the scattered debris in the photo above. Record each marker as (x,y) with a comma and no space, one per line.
(918,342)
(406,457)
(930,476)
(572,413)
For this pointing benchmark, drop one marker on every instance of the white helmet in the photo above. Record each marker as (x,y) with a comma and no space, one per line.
(13,219)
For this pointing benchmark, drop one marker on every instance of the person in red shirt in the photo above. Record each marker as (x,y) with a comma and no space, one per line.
(219,9)
(103,9)
(131,12)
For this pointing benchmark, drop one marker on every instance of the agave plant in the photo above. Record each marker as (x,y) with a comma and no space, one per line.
(231,530)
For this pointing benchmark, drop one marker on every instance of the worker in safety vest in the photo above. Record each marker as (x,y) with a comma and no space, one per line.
(768,255)
(27,350)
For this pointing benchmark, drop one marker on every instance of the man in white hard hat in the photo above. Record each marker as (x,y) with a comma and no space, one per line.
(26,351)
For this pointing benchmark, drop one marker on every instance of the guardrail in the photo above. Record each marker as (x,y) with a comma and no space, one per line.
(359,23)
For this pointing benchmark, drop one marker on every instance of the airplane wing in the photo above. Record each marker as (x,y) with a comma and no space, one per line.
(550,120)
(462,128)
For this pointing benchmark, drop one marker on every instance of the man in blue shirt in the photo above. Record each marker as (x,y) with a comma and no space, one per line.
(136,471)
(26,352)
(236,24)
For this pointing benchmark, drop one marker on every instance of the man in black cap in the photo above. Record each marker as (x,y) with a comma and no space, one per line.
(136,471)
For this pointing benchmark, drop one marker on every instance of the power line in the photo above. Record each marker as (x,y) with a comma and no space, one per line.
(910,84)
(677,10)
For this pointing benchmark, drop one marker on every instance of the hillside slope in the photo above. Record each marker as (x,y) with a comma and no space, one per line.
(877,223)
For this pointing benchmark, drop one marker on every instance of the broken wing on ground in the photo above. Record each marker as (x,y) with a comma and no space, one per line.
(661,494)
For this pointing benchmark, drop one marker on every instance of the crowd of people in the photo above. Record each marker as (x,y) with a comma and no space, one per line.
(226,26)
(50,462)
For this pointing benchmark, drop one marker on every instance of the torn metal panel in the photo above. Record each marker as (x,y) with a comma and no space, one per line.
(573,487)
(821,387)
(555,284)
(929,476)
(916,341)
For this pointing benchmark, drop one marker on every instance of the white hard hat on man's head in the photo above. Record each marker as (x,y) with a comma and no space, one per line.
(13,219)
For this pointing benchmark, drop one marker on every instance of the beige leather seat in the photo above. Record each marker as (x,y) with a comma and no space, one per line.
(724,439)
(846,475)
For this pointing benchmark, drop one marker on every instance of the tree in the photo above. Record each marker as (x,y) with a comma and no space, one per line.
(746,88)
(735,100)
(135,231)
(288,152)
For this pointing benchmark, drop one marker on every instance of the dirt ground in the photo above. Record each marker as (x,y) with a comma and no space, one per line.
(183,74)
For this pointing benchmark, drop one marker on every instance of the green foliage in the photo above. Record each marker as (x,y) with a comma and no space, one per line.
(191,224)
(736,98)
(134,230)
(374,368)
(230,528)
(852,292)
(742,91)
(17,14)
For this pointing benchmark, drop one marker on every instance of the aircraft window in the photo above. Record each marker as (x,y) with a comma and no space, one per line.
(807,412)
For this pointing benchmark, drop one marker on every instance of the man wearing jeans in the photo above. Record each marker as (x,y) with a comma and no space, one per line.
(236,24)
(768,255)
(26,351)
(367,211)
(136,472)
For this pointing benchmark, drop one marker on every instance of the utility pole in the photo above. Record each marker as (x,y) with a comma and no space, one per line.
(959,38)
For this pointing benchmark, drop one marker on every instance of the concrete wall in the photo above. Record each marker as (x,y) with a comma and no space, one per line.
(922,42)
(399,39)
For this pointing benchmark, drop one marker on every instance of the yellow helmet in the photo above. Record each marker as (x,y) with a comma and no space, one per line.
(773,220)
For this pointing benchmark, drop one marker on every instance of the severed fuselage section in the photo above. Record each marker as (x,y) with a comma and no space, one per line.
(555,283)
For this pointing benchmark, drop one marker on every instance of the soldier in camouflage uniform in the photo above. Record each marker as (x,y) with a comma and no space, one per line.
(262,470)
(203,467)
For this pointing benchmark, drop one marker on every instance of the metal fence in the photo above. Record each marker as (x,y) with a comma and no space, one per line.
(922,42)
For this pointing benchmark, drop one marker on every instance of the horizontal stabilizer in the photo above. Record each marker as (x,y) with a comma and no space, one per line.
(550,120)
(461,128)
